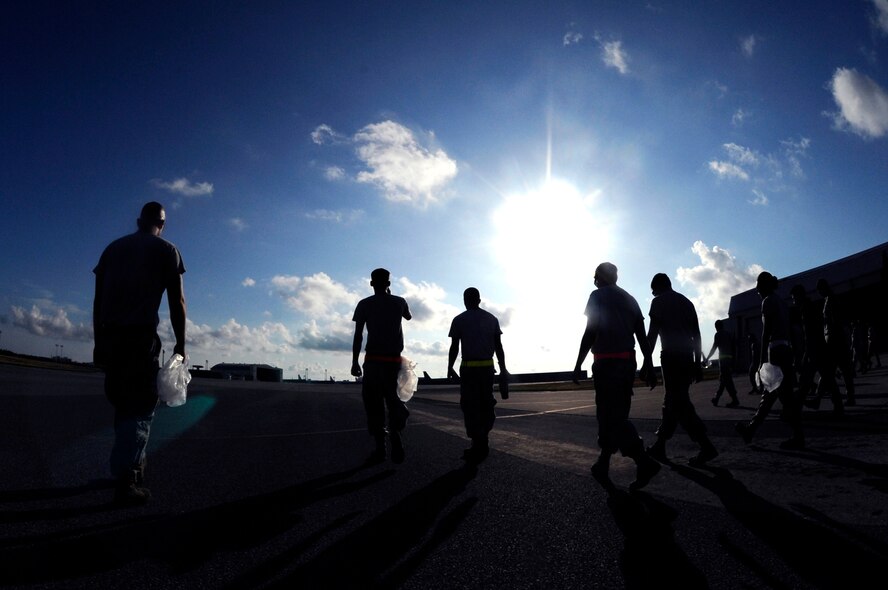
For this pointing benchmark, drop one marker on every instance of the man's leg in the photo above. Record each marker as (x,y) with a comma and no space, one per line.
(374,407)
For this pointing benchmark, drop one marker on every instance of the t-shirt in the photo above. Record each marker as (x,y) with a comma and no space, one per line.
(477,330)
(612,314)
(382,314)
(725,343)
(677,318)
(134,272)
(775,313)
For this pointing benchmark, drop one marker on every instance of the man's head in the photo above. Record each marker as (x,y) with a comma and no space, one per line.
(798,294)
(380,280)
(660,283)
(823,288)
(152,218)
(766,284)
(472,298)
(719,324)
(605,274)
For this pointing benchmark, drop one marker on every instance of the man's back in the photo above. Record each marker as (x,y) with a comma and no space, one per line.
(677,320)
(477,330)
(382,314)
(613,314)
(134,271)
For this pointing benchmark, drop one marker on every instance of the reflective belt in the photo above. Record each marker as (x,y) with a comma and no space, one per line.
(487,363)
(377,358)
(725,356)
(776,343)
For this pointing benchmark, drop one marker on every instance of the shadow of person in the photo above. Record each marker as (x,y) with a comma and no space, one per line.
(50,494)
(650,556)
(182,540)
(820,556)
(385,551)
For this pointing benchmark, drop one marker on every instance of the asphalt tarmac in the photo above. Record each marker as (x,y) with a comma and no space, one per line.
(261,485)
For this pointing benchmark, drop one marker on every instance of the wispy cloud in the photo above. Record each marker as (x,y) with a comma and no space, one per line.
(747,45)
(728,170)
(237,224)
(718,276)
(614,56)
(863,104)
(400,166)
(762,170)
(759,198)
(324,134)
(248,282)
(345,216)
(571,38)
(739,117)
(184,187)
(334,173)
(881,18)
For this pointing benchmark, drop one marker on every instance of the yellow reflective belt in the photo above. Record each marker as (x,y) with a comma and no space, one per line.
(487,363)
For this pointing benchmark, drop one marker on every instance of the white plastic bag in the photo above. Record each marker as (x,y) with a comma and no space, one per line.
(172,381)
(407,379)
(769,376)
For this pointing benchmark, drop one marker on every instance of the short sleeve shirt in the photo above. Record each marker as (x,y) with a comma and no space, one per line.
(775,313)
(677,318)
(725,343)
(382,314)
(612,314)
(134,271)
(476,330)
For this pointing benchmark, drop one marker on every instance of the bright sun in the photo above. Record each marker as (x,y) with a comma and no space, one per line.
(553,232)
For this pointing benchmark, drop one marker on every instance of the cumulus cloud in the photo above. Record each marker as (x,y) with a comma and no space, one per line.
(267,338)
(718,277)
(614,56)
(184,187)
(400,166)
(863,104)
(317,295)
(335,337)
(345,216)
(52,322)
(248,282)
(747,45)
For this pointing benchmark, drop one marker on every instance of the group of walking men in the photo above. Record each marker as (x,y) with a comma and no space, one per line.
(134,272)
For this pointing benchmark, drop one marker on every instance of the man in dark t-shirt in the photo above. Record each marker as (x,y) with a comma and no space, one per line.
(131,278)
(381,313)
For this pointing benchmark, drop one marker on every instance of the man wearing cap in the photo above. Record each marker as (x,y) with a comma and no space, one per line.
(131,277)
(381,314)
(613,318)
(479,332)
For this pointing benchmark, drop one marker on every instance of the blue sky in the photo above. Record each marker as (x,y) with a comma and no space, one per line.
(510,146)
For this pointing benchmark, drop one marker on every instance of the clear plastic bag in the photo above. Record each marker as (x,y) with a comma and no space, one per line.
(172,381)
(407,379)
(769,376)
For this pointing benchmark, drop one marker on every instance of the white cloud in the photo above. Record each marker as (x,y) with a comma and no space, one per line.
(317,295)
(747,45)
(269,338)
(727,170)
(572,38)
(862,102)
(237,224)
(881,19)
(405,170)
(615,56)
(346,216)
(324,134)
(248,282)
(52,322)
(794,151)
(739,117)
(741,155)
(184,187)
(718,277)
(759,199)
(334,173)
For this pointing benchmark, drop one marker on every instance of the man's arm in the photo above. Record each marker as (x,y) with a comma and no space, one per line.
(356,348)
(711,351)
(451,358)
(586,343)
(176,299)
(698,347)
(500,354)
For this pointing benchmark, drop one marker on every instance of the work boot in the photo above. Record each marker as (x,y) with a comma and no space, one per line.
(733,403)
(128,493)
(742,428)
(378,454)
(658,451)
(707,452)
(646,469)
(398,455)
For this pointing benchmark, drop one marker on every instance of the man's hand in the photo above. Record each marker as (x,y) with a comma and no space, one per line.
(578,374)
(356,369)
(452,374)
(648,375)
(180,349)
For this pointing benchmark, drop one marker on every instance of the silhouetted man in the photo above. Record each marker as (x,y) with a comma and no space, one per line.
(131,277)
(613,318)
(478,333)
(812,354)
(776,349)
(381,313)
(836,353)
(726,346)
(674,320)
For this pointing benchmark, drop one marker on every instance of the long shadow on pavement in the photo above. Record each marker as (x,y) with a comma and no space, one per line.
(820,556)
(183,541)
(385,551)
